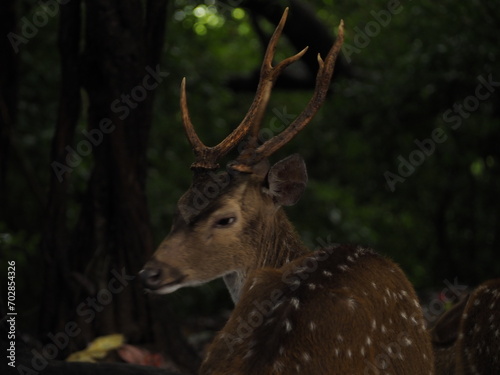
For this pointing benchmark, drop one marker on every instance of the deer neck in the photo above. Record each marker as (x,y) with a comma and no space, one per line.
(277,245)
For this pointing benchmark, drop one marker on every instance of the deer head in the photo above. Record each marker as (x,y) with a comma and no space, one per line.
(228,223)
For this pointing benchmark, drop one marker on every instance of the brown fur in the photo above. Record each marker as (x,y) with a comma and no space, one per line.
(478,344)
(466,339)
(344,310)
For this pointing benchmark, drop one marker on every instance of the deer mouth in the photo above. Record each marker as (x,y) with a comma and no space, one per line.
(159,278)
(169,287)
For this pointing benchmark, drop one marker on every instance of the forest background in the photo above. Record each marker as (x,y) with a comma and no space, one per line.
(404,156)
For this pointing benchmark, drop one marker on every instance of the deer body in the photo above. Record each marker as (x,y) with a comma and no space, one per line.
(341,310)
(467,338)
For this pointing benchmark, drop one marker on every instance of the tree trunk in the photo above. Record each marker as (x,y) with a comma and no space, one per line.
(8,87)
(91,269)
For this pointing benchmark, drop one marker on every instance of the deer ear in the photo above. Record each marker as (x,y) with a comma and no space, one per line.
(448,325)
(287,180)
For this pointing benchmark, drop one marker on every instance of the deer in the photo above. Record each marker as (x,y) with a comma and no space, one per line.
(342,309)
(466,338)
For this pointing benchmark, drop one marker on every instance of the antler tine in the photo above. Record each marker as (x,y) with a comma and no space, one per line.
(325,72)
(206,157)
(194,140)
(268,75)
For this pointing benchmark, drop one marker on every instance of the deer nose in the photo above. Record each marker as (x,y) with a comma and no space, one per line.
(151,277)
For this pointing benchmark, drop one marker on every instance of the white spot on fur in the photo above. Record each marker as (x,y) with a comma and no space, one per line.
(351,303)
(278,304)
(312,326)
(295,283)
(295,302)
(299,270)
(407,341)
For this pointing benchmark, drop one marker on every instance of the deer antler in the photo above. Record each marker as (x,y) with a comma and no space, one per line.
(252,155)
(207,157)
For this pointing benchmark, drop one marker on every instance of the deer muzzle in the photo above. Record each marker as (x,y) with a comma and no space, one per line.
(160,278)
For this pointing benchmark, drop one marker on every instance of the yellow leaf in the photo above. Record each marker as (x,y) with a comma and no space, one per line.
(98,348)
(107,342)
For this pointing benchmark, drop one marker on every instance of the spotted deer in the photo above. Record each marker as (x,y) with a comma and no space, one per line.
(466,339)
(338,310)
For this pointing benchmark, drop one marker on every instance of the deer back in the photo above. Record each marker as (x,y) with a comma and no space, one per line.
(466,339)
(478,343)
(444,336)
(341,310)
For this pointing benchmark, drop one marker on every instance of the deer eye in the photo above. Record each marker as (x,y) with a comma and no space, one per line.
(225,222)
